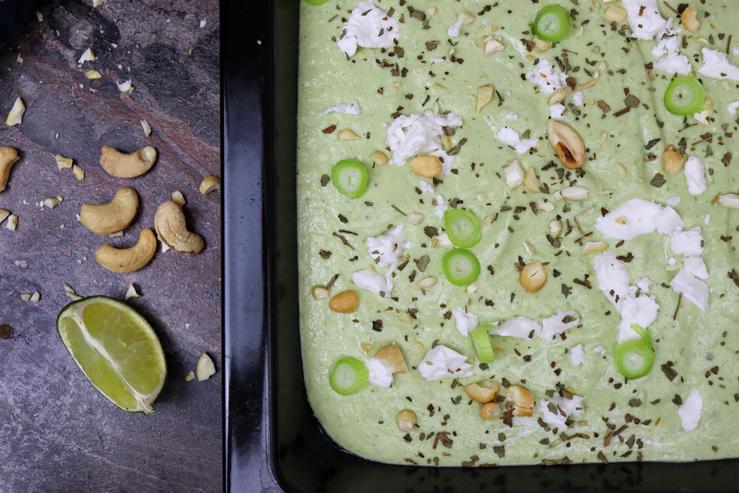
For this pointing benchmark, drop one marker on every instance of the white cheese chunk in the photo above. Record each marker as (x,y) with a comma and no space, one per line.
(464,321)
(556,411)
(556,111)
(577,355)
(372,281)
(513,174)
(347,109)
(673,64)
(645,20)
(519,327)
(636,217)
(696,266)
(695,176)
(510,137)
(688,242)
(546,77)
(386,249)
(716,65)
(731,107)
(441,362)
(692,288)
(558,324)
(368,27)
(412,135)
(690,410)
(379,374)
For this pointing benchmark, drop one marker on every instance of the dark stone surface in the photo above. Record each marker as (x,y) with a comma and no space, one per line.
(57,433)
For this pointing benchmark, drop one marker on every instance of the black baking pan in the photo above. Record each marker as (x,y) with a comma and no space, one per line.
(13,13)
(273,442)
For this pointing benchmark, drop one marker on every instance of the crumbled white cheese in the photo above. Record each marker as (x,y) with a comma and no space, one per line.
(637,217)
(577,355)
(696,266)
(372,281)
(514,116)
(612,276)
(519,327)
(556,111)
(512,138)
(441,362)
(690,410)
(379,374)
(640,310)
(547,77)
(673,64)
(695,176)
(578,99)
(455,29)
(731,107)
(440,206)
(558,324)
(574,193)
(513,174)
(562,408)
(666,46)
(347,108)
(673,201)
(425,186)
(702,117)
(645,20)
(644,284)
(599,349)
(411,135)
(692,288)
(444,241)
(386,249)
(465,321)
(688,242)
(716,65)
(368,27)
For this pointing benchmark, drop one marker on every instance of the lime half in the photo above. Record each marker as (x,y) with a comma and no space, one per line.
(116,349)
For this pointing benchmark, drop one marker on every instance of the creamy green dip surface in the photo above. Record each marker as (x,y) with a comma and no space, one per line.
(622,420)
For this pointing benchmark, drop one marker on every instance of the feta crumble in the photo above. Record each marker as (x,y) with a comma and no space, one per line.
(577,355)
(561,409)
(696,266)
(379,374)
(695,176)
(636,217)
(519,327)
(373,281)
(441,362)
(556,111)
(411,135)
(557,324)
(644,19)
(348,109)
(716,65)
(546,77)
(692,288)
(690,411)
(512,138)
(464,321)
(513,174)
(688,242)
(368,27)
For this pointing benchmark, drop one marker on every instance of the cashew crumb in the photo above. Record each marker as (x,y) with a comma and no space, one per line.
(132,292)
(125,87)
(93,75)
(178,198)
(69,291)
(15,117)
(87,56)
(78,172)
(63,162)
(147,128)
(12,223)
(205,368)
(209,184)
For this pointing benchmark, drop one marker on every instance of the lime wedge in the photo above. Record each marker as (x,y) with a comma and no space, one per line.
(116,349)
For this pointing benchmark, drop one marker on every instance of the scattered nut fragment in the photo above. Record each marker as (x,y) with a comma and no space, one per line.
(3,215)
(555,228)
(484,95)
(63,162)
(6,331)
(543,205)
(426,166)
(347,134)
(8,157)
(78,172)
(567,143)
(522,399)
(575,193)
(514,174)
(490,411)
(595,247)
(147,128)
(15,117)
(122,165)
(689,19)
(87,56)
(393,358)
(730,200)
(533,277)
(171,226)
(379,157)
(541,46)
(319,292)
(125,260)
(427,282)
(51,202)
(345,302)
(531,182)
(178,198)
(491,45)
(35,297)
(483,391)
(406,420)
(69,291)
(672,160)
(132,292)
(113,217)
(190,376)
(205,368)
(415,218)
(97,3)
(209,183)
(446,143)
(616,14)
(12,223)
(93,75)
(125,87)
(557,97)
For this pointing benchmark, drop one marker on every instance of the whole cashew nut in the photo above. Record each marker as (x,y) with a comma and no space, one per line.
(567,143)
(113,217)
(122,165)
(171,227)
(124,260)
(8,157)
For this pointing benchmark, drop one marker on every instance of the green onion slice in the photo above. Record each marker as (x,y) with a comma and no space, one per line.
(463,227)
(350,177)
(481,342)
(348,376)
(315,2)
(461,267)
(552,23)
(635,358)
(684,96)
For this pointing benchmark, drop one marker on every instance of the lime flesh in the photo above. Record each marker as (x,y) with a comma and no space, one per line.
(116,349)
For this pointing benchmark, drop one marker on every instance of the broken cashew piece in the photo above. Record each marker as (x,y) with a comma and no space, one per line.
(171,226)
(113,217)
(122,165)
(8,157)
(125,260)
(209,183)
(567,143)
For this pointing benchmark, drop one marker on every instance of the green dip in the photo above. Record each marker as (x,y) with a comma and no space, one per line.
(625,128)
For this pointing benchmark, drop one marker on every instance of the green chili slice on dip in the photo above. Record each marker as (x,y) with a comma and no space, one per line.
(461,267)
(350,177)
(348,376)
(463,227)
(481,342)
(552,23)
(635,357)
(684,96)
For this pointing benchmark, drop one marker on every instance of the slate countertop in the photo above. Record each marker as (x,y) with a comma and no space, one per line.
(57,433)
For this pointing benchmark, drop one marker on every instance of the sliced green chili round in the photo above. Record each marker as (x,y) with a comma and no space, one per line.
(635,357)
(315,2)
(684,96)
(461,267)
(464,228)
(481,342)
(350,177)
(552,23)
(348,376)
